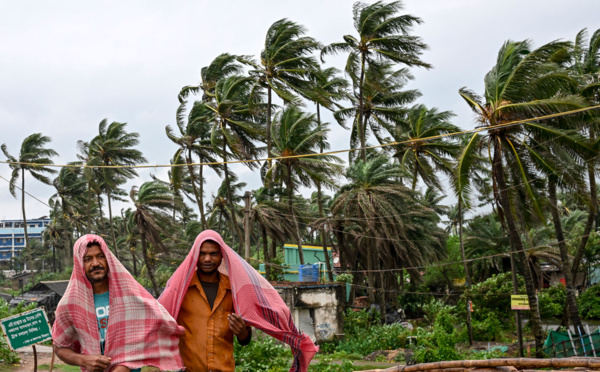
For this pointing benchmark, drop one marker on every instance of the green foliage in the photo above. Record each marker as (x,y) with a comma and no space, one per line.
(439,344)
(412,303)
(364,335)
(552,301)
(487,327)
(263,354)
(344,278)
(589,303)
(325,365)
(8,356)
(493,296)
(444,275)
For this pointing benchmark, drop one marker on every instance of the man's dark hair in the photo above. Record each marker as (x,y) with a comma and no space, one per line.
(92,243)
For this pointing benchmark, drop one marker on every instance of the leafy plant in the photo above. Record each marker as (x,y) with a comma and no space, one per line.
(552,301)
(589,302)
(263,354)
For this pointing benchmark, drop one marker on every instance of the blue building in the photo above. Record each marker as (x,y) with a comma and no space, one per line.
(12,235)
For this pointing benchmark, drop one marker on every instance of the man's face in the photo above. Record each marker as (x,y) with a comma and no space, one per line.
(95,265)
(210,257)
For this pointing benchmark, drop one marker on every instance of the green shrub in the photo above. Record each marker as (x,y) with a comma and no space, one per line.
(487,328)
(589,302)
(325,365)
(439,344)
(263,354)
(552,301)
(364,335)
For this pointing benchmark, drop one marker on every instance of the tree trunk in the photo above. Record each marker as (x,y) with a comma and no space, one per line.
(193,178)
(269,103)
(361,110)
(230,196)
(466,268)
(201,196)
(291,204)
(416,172)
(266,253)
(89,207)
(321,214)
(517,247)
(591,217)
(112,228)
(371,274)
(564,258)
(134,259)
(149,263)
(27,247)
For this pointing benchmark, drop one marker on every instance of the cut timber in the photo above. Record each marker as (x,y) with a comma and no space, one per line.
(499,365)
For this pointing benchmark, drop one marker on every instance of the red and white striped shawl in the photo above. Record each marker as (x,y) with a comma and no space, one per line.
(140,331)
(254,299)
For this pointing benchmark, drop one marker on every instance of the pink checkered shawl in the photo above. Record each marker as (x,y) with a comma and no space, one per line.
(140,331)
(254,299)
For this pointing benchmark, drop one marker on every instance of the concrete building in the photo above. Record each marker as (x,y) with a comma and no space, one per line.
(12,235)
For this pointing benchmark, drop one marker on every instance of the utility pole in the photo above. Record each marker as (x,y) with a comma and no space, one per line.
(247,197)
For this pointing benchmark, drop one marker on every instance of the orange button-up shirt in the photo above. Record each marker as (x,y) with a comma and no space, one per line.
(207,344)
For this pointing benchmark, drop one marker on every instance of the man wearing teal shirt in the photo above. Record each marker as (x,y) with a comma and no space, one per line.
(96,270)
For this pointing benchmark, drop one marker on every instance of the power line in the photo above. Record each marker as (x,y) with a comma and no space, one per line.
(245,161)
(27,193)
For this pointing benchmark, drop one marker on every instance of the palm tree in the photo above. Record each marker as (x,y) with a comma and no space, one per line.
(113,146)
(34,159)
(383,36)
(585,63)
(225,211)
(285,63)
(523,84)
(424,157)
(271,216)
(390,228)
(382,105)
(221,67)
(195,139)
(69,197)
(296,133)
(151,202)
(326,90)
(235,127)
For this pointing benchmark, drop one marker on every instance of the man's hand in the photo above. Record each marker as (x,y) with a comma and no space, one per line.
(120,369)
(238,326)
(94,362)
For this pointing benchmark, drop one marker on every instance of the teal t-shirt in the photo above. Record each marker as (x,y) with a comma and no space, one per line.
(101,303)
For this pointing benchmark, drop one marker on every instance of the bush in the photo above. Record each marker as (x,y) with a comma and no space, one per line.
(552,301)
(589,302)
(364,335)
(439,344)
(263,354)
(487,328)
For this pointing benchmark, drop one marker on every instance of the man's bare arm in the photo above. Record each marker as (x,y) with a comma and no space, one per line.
(93,363)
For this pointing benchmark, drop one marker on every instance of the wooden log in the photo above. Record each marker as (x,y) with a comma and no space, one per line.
(519,363)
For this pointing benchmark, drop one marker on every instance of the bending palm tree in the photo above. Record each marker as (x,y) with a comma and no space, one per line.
(114,146)
(424,158)
(33,151)
(382,106)
(523,84)
(383,36)
(285,63)
(235,127)
(297,133)
(151,202)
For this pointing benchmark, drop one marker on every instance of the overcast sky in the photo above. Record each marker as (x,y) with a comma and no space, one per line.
(66,65)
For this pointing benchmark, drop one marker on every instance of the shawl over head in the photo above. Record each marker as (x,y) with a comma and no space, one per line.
(140,331)
(254,298)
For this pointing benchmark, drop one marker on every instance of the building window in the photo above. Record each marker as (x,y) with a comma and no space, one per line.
(18,240)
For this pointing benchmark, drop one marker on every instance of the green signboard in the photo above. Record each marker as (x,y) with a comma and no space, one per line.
(28,328)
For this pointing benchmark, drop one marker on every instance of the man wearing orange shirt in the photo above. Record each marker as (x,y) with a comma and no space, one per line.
(207,314)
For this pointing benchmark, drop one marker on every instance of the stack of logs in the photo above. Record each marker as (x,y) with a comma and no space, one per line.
(578,364)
